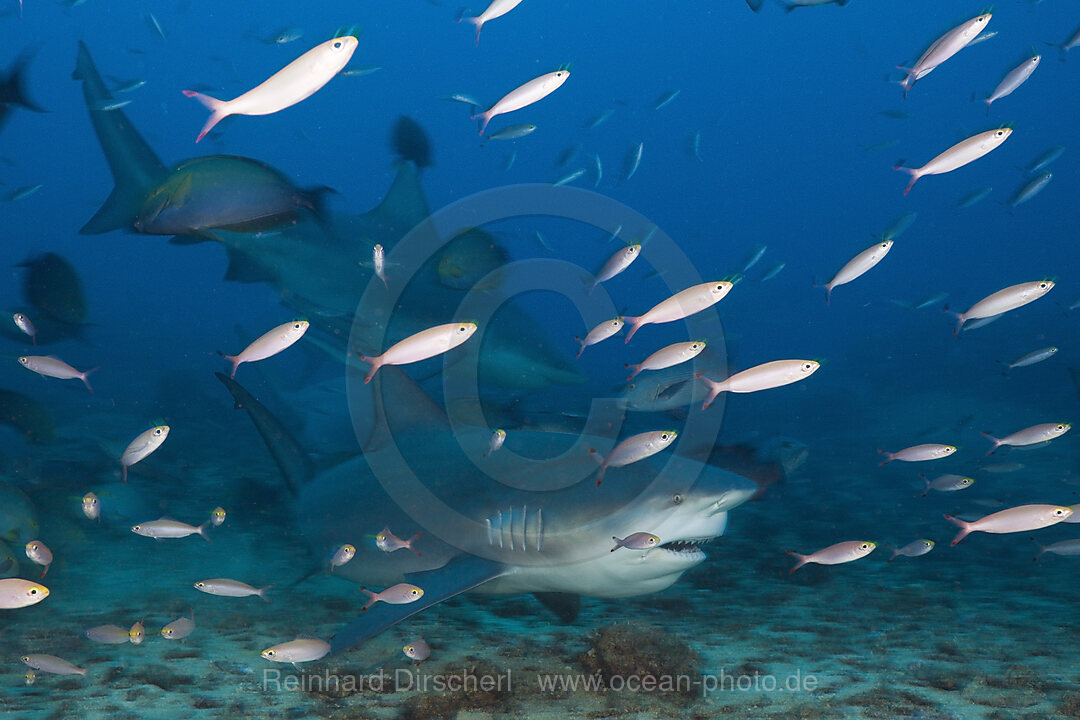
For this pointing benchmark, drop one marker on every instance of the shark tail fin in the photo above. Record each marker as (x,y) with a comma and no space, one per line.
(13,87)
(136,169)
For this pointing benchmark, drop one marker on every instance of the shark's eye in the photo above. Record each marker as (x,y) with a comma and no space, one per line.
(676,498)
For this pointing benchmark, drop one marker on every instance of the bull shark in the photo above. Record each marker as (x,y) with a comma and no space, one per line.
(319,263)
(536,529)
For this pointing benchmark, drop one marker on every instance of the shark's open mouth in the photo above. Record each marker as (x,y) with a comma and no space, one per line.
(689,545)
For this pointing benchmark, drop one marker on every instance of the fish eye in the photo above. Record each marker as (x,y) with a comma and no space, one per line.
(23,360)
(26,658)
(337,45)
(137,528)
(676,498)
(268,653)
(33,591)
(865,546)
(200,584)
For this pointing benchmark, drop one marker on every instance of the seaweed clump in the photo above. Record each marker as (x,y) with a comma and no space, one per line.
(628,657)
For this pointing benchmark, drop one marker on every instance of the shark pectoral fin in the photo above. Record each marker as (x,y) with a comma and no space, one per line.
(566,606)
(462,573)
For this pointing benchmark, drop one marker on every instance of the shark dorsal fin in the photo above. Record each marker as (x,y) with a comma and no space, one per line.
(404,205)
(404,406)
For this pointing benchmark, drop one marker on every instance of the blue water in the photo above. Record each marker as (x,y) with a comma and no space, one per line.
(797,117)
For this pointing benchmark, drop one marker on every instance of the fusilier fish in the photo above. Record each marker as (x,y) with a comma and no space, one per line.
(53,367)
(919,453)
(1035,356)
(843,552)
(142,446)
(533,91)
(958,155)
(1041,162)
(762,377)
(601,332)
(421,346)
(418,650)
(497,439)
(1031,188)
(165,528)
(668,357)
(682,304)
(39,553)
(18,593)
(496,9)
(1065,547)
(513,132)
(633,160)
(179,628)
(1016,77)
(400,594)
(23,323)
(108,635)
(947,483)
(944,48)
(295,82)
(217,516)
(615,264)
(1003,301)
(52,664)
(91,506)
(1018,519)
(858,265)
(1033,435)
(342,555)
(913,549)
(389,542)
(137,633)
(634,448)
(636,541)
(231,588)
(269,344)
(378,262)
(297,651)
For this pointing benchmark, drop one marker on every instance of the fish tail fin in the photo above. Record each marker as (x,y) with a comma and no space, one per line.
(86,382)
(375,362)
(231,359)
(262,593)
(987,101)
(618,544)
(123,476)
(959,320)
(927,481)
(802,560)
(484,118)
(634,323)
(202,531)
(910,171)
(714,390)
(410,541)
(888,457)
(1042,549)
(991,438)
(218,112)
(583,346)
(475,21)
(371,601)
(965,528)
(636,370)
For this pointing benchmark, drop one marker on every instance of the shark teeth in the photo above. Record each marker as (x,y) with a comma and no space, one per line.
(686,545)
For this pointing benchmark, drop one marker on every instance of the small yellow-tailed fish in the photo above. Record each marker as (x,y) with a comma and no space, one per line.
(601,332)
(616,264)
(389,542)
(52,664)
(91,506)
(341,556)
(858,266)
(39,553)
(636,541)
(496,9)
(417,650)
(1016,77)
(947,483)
(917,548)
(944,48)
(164,528)
(179,628)
(23,323)
(497,439)
(668,357)
(108,635)
(224,587)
